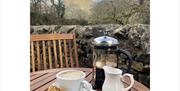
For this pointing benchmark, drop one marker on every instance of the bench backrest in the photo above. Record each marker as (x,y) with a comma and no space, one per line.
(53,51)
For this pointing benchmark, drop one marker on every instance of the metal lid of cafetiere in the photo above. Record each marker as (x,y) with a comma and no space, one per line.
(105,41)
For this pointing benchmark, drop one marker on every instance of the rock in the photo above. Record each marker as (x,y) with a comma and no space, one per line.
(31,30)
(137,66)
(136,35)
(43,29)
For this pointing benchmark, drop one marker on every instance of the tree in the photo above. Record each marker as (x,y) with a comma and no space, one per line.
(35,11)
(47,12)
(76,14)
(60,9)
(120,11)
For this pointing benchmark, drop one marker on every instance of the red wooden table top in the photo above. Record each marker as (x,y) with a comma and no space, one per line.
(41,80)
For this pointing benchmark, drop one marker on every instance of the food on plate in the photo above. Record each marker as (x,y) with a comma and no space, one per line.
(54,88)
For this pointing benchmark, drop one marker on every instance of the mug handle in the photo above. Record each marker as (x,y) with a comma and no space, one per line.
(132,81)
(86,86)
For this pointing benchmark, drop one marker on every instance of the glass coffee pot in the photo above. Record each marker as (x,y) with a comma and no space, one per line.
(107,53)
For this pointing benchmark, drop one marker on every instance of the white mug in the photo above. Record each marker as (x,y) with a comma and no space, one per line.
(68,84)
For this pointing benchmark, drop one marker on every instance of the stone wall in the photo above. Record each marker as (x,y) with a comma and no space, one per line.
(132,38)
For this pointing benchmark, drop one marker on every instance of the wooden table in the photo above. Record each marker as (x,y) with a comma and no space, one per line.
(41,80)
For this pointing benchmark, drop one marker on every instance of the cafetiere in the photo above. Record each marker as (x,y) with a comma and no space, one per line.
(107,53)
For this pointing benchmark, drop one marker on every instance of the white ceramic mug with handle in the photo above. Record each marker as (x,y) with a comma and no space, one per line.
(72,80)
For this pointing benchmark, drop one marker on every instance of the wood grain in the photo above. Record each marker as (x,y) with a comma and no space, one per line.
(49,54)
(41,80)
(44,55)
(70,51)
(40,37)
(60,53)
(38,55)
(65,53)
(55,53)
(32,57)
(75,50)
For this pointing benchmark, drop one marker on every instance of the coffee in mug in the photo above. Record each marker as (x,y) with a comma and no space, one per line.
(71,75)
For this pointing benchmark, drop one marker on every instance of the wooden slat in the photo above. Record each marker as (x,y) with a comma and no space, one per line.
(38,55)
(137,85)
(51,37)
(49,53)
(60,69)
(70,51)
(75,50)
(42,82)
(60,53)
(41,78)
(44,55)
(32,74)
(65,50)
(37,76)
(55,54)
(32,57)
(88,76)
(46,86)
(132,89)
